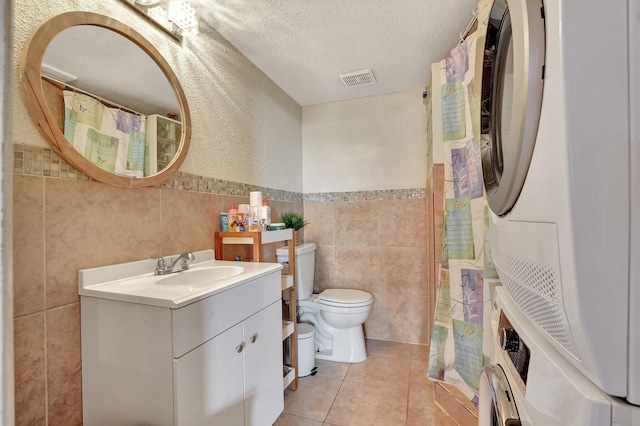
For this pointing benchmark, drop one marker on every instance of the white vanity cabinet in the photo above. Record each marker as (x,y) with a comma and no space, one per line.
(241,383)
(216,361)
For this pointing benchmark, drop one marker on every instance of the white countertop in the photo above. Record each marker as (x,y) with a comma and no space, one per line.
(135,282)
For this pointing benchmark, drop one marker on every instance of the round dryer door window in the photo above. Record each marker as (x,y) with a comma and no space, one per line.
(512,96)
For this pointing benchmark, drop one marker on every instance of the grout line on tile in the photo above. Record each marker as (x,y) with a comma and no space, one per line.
(406,415)
(445,412)
(398,388)
(334,400)
(44,320)
(344,381)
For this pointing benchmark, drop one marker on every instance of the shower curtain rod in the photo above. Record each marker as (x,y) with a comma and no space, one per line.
(99,98)
(469,27)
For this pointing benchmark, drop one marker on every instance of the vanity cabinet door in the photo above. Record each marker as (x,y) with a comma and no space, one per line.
(234,378)
(209,382)
(264,399)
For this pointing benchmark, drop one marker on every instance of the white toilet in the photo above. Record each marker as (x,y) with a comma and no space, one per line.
(337,314)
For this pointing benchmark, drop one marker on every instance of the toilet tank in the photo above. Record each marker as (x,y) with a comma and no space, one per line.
(305,263)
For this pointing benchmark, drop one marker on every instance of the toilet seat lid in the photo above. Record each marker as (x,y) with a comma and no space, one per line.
(338,296)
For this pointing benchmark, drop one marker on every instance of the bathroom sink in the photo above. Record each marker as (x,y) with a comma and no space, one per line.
(200,277)
(135,281)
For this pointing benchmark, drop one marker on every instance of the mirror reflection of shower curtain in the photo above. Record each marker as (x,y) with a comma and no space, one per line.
(459,345)
(111,138)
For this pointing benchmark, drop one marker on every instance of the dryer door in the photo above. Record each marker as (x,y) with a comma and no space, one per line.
(497,406)
(512,97)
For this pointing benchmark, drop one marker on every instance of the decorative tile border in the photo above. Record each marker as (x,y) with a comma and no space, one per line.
(36,161)
(379,194)
(188,182)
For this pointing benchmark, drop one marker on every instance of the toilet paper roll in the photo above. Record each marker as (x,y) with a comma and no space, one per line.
(255,198)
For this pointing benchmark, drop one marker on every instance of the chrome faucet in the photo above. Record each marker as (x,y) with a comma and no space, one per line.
(163,269)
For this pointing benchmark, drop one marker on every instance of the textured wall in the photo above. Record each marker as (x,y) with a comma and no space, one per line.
(245,128)
(365,144)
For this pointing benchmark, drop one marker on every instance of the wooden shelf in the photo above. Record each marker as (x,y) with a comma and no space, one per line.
(290,376)
(287,329)
(257,240)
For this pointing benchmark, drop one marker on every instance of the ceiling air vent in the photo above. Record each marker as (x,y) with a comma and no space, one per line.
(358,78)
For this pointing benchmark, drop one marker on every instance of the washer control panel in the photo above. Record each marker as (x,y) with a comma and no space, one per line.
(514,347)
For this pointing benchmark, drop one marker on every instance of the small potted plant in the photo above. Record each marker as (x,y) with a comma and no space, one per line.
(295,221)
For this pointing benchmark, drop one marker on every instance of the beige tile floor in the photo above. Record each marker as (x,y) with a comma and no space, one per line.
(389,389)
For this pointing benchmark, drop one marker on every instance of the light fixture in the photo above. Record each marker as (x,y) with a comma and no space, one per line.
(182,14)
(177,17)
(147,2)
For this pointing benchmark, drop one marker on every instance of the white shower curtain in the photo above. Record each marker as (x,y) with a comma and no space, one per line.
(461,343)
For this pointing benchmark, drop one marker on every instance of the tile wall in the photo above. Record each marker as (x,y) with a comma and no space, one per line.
(377,244)
(62,225)
(379,241)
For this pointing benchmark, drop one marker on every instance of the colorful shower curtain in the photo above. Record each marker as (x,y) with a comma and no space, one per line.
(111,138)
(461,342)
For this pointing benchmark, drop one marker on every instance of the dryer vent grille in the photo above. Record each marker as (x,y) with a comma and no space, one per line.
(358,78)
(536,290)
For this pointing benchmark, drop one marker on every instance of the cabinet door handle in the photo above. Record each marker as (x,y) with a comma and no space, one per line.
(240,347)
(253,338)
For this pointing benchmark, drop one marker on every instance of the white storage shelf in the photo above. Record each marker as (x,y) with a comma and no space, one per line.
(267,237)
(287,281)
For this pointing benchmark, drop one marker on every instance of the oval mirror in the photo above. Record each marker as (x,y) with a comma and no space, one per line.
(105,100)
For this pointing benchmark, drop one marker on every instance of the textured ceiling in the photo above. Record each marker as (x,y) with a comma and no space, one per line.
(303,45)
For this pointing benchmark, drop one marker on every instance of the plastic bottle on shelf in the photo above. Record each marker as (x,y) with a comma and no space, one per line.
(254,222)
(265,216)
(234,218)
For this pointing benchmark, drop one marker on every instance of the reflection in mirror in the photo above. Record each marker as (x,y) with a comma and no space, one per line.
(110,96)
(111,107)
(107,64)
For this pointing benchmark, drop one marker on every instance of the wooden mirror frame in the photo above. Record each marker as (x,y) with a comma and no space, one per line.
(33,93)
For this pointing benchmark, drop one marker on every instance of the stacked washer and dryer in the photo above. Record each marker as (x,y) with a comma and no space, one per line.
(561,164)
